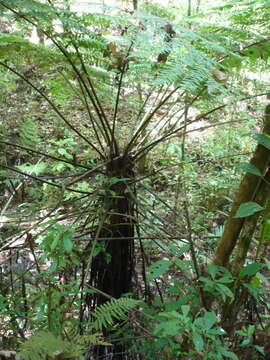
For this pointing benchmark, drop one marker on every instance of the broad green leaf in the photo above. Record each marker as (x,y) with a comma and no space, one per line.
(245,342)
(67,242)
(178,251)
(167,328)
(55,241)
(247,209)
(198,341)
(213,270)
(260,349)
(233,61)
(63,152)
(224,291)
(217,331)
(209,319)
(250,168)
(228,354)
(221,271)
(262,139)
(250,330)
(225,280)
(250,270)
(53,266)
(158,268)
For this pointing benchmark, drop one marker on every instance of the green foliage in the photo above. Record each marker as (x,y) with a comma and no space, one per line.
(112,310)
(158,268)
(90,339)
(201,335)
(100,74)
(29,134)
(57,244)
(8,84)
(265,228)
(11,43)
(159,10)
(247,334)
(44,344)
(60,90)
(218,282)
(250,168)
(250,270)
(263,139)
(36,169)
(248,209)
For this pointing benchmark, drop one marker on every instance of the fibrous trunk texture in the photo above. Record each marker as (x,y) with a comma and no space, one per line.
(111,270)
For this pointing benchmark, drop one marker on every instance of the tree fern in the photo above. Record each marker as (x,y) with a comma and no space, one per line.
(112,310)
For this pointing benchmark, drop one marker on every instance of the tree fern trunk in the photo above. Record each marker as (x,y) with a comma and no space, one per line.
(112,269)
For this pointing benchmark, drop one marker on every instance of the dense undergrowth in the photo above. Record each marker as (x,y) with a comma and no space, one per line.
(107,249)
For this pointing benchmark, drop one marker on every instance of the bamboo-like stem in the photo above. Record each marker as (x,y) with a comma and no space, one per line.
(249,227)
(248,190)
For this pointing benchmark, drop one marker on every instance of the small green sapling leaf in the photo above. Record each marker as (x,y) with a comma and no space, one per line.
(158,268)
(262,139)
(198,341)
(67,242)
(250,168)
(247,209)
(250,270)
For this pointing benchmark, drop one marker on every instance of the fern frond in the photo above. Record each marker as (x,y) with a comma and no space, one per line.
(90,339)
(44,344)
(112,310)
(29,134)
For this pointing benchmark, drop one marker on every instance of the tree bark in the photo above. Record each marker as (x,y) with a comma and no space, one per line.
(231,309)
(249,227)
(112,269)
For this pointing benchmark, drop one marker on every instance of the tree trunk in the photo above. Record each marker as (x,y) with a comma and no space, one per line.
(111,270)
(231,309)
(248,191)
